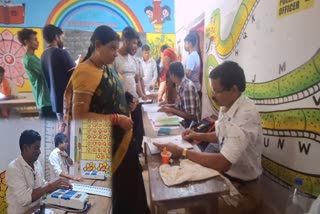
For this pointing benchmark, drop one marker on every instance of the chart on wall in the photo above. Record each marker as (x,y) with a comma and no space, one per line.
(91,145)
(280,55)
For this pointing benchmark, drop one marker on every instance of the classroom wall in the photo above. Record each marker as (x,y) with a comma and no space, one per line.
(277,44)
(153,19)
(10,131)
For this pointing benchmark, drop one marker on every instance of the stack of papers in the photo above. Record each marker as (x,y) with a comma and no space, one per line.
(176,139)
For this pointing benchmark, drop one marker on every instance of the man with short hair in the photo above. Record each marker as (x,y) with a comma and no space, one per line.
(25,177)
(129,193)
(32,65)
(57,66)
(239,134)
(125,63)
(149,67)
(192,62)
(60,160)
(187,104)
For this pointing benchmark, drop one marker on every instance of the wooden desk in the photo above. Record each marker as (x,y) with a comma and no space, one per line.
(99,204)
(19,102)
(163,198)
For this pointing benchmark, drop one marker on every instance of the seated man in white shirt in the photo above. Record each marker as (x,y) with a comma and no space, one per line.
(149,67)
(239,134)
(59,159)
(25,176)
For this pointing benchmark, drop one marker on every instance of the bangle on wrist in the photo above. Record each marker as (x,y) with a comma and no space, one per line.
(115,119)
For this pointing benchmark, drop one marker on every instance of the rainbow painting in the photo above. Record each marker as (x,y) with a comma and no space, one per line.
(66,10)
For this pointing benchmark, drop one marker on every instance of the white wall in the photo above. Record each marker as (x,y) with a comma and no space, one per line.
(10,131)
(187,11)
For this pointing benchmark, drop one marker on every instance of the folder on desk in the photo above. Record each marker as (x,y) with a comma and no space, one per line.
(163,131)
(167,121)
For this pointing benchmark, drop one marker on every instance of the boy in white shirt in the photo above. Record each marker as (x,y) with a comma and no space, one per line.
(59,159)
(149,67)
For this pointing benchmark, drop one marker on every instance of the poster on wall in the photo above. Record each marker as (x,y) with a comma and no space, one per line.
(91,146)
(280,55)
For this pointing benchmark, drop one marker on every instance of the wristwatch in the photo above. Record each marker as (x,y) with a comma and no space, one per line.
(184,153)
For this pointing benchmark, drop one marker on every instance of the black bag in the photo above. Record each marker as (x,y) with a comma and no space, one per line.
(206,125)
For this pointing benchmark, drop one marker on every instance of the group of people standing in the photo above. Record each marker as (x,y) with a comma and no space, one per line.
(106,85)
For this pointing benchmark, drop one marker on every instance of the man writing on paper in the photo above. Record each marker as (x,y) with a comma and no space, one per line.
(239,134)
(187,104)
(25,178)
(60,160)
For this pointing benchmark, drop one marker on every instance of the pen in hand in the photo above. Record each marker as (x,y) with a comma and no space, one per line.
(191,124)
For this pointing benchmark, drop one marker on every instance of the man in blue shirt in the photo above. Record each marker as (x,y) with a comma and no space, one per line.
(192,62)
(57,66)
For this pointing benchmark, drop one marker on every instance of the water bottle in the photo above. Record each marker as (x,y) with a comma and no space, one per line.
(294,205)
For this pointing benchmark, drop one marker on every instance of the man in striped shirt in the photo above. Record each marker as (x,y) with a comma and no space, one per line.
(187,104)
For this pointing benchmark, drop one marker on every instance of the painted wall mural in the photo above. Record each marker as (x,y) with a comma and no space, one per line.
(280,56)
(158,14)
(156,40)
(11,56)
(86,15)
(79,16)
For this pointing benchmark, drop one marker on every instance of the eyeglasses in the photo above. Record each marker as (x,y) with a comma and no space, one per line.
(218,91)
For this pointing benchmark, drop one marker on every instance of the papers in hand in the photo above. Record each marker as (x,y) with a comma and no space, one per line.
(177,139)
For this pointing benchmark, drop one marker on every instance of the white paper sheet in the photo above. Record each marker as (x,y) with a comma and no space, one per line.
(176,139)
(150,107)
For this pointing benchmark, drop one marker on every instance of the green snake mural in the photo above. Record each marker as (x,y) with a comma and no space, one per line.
(225,47)
(298,84)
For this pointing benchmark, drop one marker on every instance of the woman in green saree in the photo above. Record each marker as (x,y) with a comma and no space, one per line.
(95,92)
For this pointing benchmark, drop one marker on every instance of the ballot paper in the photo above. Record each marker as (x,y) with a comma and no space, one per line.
(176,139)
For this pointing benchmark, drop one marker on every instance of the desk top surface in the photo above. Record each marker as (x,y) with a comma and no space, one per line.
(17,102)
(160,192)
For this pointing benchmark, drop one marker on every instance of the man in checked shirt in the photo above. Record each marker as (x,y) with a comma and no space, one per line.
(187,104)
